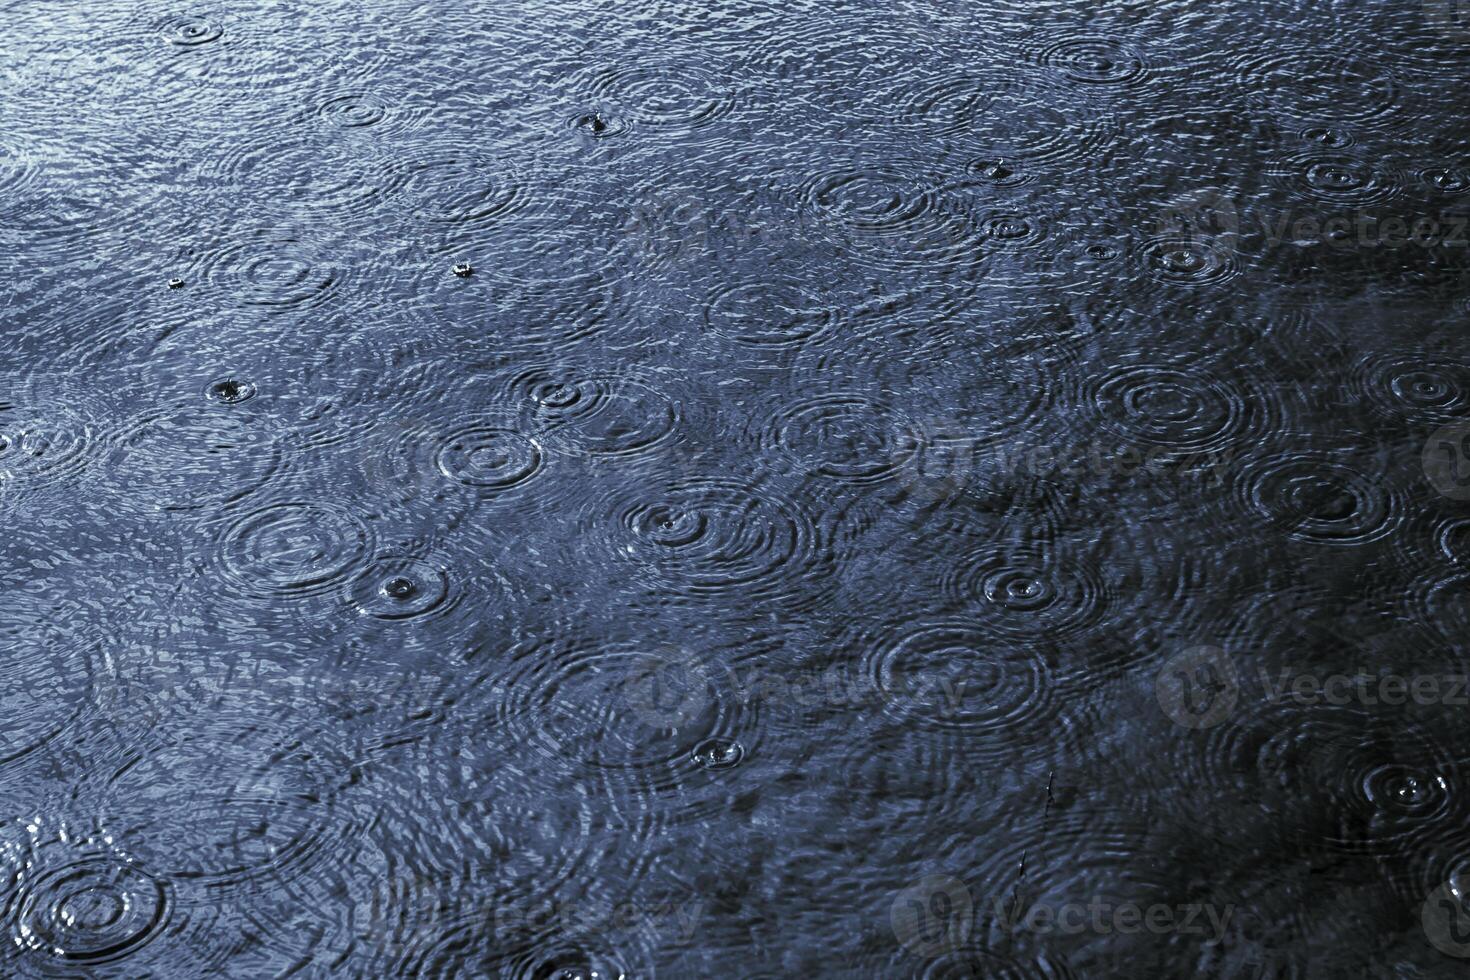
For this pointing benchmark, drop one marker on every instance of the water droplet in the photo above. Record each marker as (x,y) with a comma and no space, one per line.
(399,588)
(1447,180)
(1187,262)
(599,125)
(1094,60)
(718,754)
(1323,136)
(188,32)
(229,391)
(998,172)
(1317,499)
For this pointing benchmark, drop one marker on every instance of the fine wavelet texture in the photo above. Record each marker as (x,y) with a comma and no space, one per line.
(641,488)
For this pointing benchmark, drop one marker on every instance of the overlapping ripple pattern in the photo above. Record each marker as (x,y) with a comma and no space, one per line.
(636,488)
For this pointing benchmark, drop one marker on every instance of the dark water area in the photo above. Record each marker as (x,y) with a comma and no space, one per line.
(592,490)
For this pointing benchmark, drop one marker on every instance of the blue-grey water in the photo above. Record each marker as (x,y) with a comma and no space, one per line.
(632,488)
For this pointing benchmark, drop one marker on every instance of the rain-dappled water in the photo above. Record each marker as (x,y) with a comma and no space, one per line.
(691,489)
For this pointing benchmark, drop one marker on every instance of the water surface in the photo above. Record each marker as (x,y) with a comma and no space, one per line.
(611,489)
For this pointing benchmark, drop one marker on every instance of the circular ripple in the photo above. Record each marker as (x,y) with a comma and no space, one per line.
(281,273)
(599,415)
(772,313)
(666,96)
(188,32)
(847,437)
(1354,780)
(78,216)
(51,669)
(1169,405)
(570,958)
(1188,262)
(1027,591)
(300,174)
(489,457)
(1451,180)
(1316,87)
(714,537)
(395,464)
(655,732)
(892,214)
(467,190)
(17,173)
(81,900)
(1093,60)
(1339,178)
(292,549)
(955,674)
(1011,122)
(961,397)
(595,705)
(479,314)
(1315,498)
(1011,231)
(879,200)
(400,588)
(478,944)
(353,110)
(1418,386)
(240,799)
(185,459)
(37,447)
